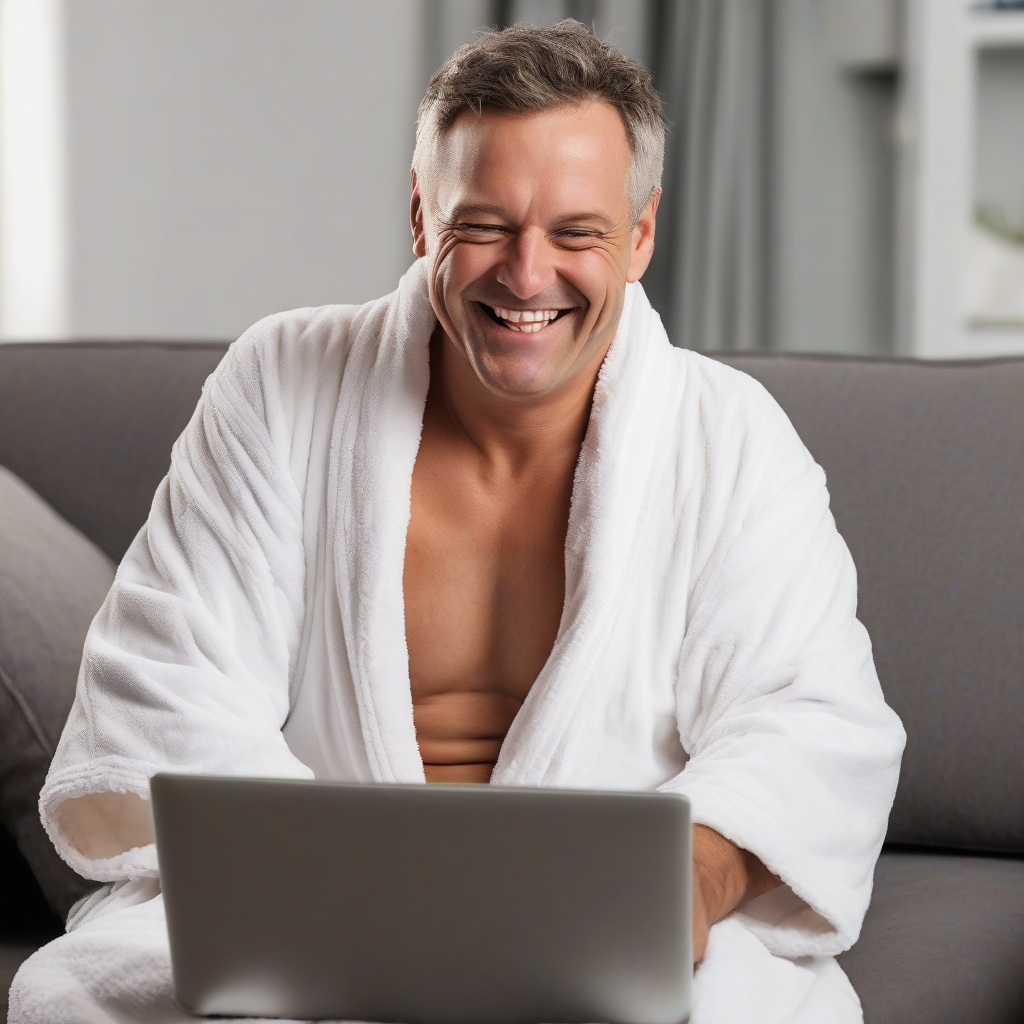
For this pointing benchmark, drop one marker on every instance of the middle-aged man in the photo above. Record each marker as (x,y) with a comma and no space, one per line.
(494,527)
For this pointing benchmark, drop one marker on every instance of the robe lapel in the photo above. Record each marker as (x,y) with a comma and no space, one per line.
(626,430)
(376,438)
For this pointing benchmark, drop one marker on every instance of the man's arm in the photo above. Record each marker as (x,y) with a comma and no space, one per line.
(793,753)
(724,878)
(187,664)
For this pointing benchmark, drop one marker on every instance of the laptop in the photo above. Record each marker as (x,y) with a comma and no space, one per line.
(425,904)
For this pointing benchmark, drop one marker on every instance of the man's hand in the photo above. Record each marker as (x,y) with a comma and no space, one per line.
(724,878)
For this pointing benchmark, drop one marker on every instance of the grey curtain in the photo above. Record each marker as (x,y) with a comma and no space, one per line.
(710,277)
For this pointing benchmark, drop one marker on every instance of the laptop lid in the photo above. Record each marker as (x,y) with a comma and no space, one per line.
(425,904)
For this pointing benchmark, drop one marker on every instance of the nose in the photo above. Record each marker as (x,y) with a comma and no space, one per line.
(528,266)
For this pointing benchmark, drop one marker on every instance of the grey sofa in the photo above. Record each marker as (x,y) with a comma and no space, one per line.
(926,471)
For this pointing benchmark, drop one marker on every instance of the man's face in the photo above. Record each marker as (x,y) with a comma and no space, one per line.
(527,226)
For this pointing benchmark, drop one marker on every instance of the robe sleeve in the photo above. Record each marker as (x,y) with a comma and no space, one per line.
(187,664)
(794,754)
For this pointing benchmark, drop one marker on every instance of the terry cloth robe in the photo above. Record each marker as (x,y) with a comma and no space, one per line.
(708,644)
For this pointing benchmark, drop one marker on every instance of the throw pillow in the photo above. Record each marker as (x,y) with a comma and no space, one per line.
(52,582)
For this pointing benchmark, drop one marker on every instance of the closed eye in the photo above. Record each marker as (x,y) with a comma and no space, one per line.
(465,226)
(577,238)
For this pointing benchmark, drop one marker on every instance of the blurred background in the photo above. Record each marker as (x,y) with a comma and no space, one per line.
(841,175)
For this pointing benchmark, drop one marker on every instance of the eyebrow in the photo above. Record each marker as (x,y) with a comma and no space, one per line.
(575,218)
(462,212)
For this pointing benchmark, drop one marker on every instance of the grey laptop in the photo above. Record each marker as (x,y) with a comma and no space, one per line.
(425,904)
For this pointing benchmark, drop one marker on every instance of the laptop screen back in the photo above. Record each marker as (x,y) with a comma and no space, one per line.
(425,904)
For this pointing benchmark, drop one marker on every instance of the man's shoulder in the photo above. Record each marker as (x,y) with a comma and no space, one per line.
(733,420)
(286,364)
(722,395)
(296,350)
(304,337)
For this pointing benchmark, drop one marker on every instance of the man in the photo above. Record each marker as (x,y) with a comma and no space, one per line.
(493,527)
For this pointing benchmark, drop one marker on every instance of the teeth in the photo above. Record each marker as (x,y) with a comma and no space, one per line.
(528,321)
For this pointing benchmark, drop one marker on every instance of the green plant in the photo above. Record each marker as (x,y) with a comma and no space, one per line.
(992,217)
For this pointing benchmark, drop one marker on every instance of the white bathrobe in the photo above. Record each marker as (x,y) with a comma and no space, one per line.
(708,645)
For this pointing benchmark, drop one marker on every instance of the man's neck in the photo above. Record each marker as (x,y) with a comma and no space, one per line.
(514,437)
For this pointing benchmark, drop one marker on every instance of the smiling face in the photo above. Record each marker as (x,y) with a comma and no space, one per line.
(528,230)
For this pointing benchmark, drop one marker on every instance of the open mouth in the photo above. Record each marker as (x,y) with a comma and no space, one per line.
(525,321)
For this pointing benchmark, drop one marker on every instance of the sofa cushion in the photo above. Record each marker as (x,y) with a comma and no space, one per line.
(89,425)
(52,581)
(943,942)
(926,477)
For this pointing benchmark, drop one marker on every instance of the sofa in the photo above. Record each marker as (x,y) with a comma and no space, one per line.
(925,464)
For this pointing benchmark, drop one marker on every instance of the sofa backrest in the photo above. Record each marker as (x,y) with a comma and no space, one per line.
(925,463)
(90,425)
(925,467)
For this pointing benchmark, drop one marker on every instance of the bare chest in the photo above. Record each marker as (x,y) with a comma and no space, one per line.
(484,585)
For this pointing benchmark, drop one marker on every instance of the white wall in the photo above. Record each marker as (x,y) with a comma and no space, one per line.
(223,159)
(33,165)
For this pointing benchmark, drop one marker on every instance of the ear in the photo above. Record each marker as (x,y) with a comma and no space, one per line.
(419,234)
(642,242)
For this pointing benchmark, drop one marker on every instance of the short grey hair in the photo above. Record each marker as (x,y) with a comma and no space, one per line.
(525,68)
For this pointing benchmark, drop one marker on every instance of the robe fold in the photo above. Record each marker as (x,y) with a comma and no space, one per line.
(708,644)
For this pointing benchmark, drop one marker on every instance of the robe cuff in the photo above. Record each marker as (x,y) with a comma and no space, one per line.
(104,775)
(811,914)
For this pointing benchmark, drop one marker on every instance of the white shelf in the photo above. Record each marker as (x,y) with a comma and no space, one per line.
(946,47)
(992,341)
(969,341)
(995,28)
